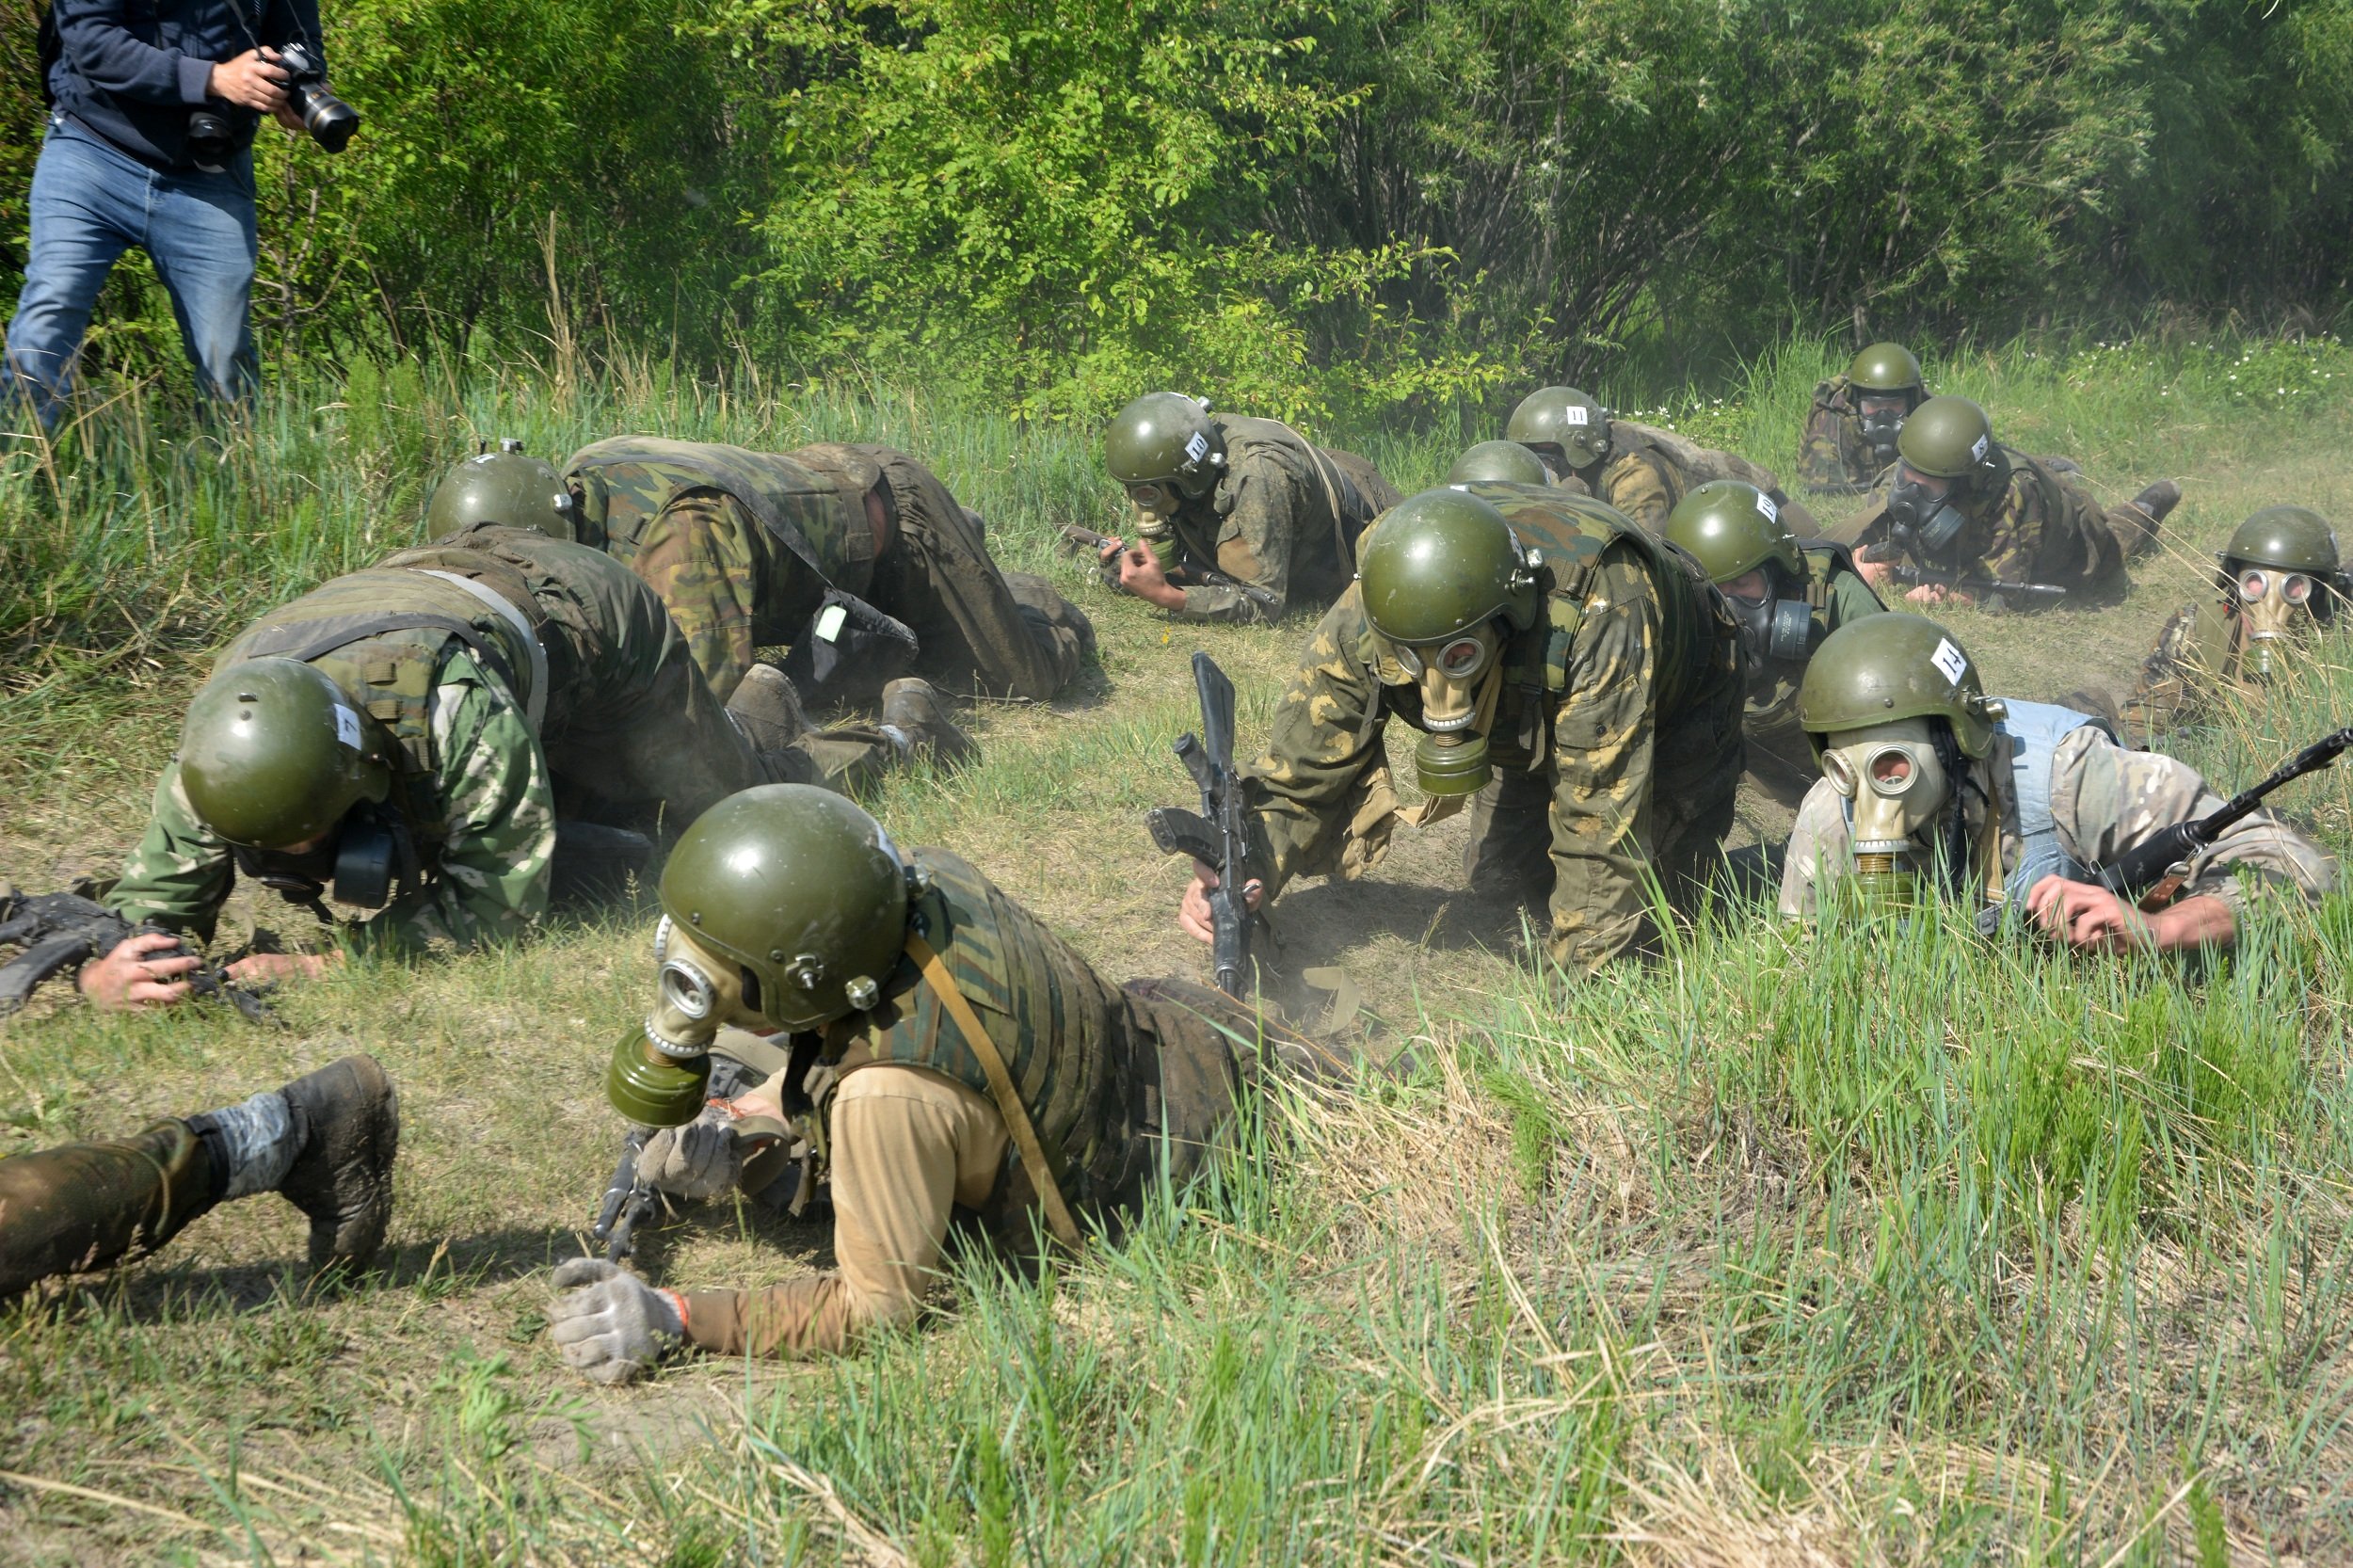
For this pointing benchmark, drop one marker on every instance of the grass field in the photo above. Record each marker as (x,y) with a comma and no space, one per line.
(1793,1248)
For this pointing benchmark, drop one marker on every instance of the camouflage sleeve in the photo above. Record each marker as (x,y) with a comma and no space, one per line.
(2017,536)
(1817,848)
(1604,738)
(179,873)
(1634,486)
(1326,735)
(2166,692)
(701,556)
(1821,449)
(1850,599)
(495,863)
(2109,801)
(1254,545)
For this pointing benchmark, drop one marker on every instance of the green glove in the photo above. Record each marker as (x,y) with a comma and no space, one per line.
(614,1325)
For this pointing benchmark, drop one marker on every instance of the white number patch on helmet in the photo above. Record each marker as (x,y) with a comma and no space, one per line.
(1577,413)
(1764,505)
(1977,452)
(346,726)
(1197,447)
(1949,659)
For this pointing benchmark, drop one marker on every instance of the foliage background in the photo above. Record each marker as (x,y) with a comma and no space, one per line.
(1302,205)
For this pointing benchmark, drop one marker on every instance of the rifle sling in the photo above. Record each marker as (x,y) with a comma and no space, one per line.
(1001,1089)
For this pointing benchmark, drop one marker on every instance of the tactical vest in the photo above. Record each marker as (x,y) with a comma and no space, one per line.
(1087,1073)
(2035,729)
(1346,509)
(626,482)
(381,635)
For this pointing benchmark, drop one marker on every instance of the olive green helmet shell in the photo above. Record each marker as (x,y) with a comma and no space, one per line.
(1730,528)
(274,753)
(2290,538)
(1439,563)
(1166,437)
(1499,463)
(1882,668)
(1562,417)
(801,887)
(1887,367)
(1946,438)
(506,487)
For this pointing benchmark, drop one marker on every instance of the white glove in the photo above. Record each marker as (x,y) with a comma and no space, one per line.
(614,1325)
(697,1161)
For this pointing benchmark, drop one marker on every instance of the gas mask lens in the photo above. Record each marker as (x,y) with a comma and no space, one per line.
(1153,498)
(2293,587)
(687,989)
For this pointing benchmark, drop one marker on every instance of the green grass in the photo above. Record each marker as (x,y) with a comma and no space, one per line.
(1864,1244)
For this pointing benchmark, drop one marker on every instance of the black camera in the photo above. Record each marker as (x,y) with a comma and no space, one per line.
(328,119)
(211,141)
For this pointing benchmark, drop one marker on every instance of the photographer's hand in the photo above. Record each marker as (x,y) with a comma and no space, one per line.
(252,80)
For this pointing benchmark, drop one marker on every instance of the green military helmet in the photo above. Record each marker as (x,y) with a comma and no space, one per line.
(2291,538)
(273,754)
(1948,438)
(1499,463)
(1887,367)
(1730,528)
(802,888)
(505,487)
(1883,668)
(1166,437)
(1440,563)
(1564,417)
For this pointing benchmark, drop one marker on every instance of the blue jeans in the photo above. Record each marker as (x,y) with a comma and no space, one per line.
(90,203)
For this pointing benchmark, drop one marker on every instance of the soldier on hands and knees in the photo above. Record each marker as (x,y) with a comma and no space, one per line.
(1574,679)
(948,1054)
(2280,582)
(1638,469)
(1932,788)
(404,739)
(324,1142)
(1236,519)
(1788,597)
(1968,519)
(1851,434)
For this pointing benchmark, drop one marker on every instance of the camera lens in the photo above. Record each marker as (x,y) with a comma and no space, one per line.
(211,143)
(327,117)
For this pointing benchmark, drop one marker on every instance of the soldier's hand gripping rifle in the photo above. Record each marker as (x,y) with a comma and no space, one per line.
(1900,543)
(1088,540)
(1218,834)
(631,1200)
(2153,872)
(60,932)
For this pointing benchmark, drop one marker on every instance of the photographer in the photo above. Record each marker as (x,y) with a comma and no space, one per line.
(153,110)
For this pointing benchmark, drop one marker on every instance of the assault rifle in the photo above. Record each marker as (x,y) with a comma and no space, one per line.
(1218,834)
(2153,872)
(630,1200)
(60,932)
(1087,539)
(1890,553)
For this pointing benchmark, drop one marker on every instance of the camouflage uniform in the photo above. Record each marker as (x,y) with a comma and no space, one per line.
(1615,738)
(1271,521)
(741,544)
(2198,654)
(1833,457)
(629,729)
(1649,470)
(2044,527)
(1780,756)
(1120,1085)
(2106,801)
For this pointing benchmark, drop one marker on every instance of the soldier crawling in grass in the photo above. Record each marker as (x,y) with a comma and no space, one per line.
(948,1053)
(1236,519)
(1577,681)
(1638,469)
(404,739)
(1850,431)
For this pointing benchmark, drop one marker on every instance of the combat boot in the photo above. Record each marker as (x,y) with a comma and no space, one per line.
(766,707)
(2151,503)
(913,715)
(348,1116)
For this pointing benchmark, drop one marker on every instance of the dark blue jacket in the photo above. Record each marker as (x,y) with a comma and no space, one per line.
(130,71)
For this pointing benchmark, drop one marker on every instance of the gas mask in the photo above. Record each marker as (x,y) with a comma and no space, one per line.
(1896,788)
(2276,605)
(1155,501)
(1450,758)
(355,865)
(1880,418)
(661,1071)
(1774,631)
(1923,521)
